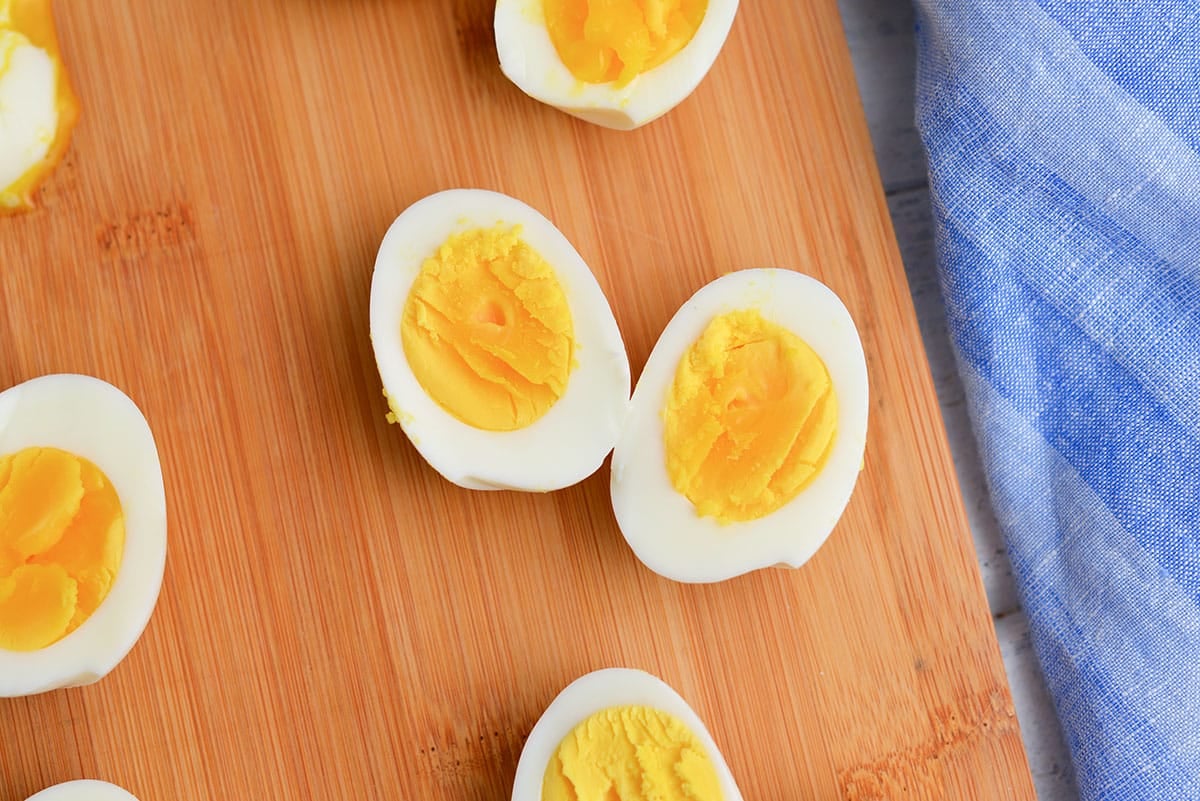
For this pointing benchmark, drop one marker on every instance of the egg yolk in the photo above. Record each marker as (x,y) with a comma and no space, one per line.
(62,535)
(750,418)
(601,41)
(487,330)
(38,109)
(630,753)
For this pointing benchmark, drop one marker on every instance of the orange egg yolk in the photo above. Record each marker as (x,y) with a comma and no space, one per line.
(750,418)
(602,41)
(487,330)
(631,753)
(27,25)
(62,535)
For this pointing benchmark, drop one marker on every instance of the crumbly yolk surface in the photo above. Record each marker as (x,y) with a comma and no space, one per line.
(750,419)
(62,535)
(602,41)
(487,330)
(631,753)
(26,24)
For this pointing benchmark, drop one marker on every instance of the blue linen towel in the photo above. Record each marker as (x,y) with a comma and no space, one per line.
(1063,139)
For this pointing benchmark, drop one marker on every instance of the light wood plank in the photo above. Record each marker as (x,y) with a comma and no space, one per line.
(337,622)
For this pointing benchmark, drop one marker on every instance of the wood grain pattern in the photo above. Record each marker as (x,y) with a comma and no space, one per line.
(337,622)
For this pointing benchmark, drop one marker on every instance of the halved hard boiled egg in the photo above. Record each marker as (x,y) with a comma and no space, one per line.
(615,63)
(747,429)
(83,529)
(498,351)
(83,790)
(621,735)
(38,109)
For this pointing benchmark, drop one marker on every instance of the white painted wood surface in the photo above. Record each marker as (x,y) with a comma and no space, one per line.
(880,33)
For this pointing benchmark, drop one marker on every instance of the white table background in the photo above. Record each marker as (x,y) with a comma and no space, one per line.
(880,33)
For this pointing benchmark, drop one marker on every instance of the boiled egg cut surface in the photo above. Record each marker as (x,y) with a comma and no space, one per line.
(37,107)
(83,790)
(747,429)
(621,735)
(615,63)
(82,531)
(499,354)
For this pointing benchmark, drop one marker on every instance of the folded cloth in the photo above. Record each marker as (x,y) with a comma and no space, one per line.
(1063,139)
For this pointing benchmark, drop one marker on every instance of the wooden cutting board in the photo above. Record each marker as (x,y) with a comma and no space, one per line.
(338,622)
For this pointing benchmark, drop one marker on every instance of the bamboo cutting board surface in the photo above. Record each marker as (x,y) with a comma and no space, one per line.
(337,621)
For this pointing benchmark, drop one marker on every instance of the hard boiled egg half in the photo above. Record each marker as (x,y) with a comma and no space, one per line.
(621,735)
(83,528)
(615,63)
(83,790)
(498,351)
(747,429)
(37,107)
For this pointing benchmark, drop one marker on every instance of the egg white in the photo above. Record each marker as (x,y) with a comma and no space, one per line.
(528,58)
(83,790)
(27,99)
(661,524)
(570,441)
(595,692)
(94,420)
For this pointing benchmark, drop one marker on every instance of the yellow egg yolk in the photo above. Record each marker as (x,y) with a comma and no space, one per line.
(631,753)
(62,535)
(487,330)
(24,23)
(601,41)
(750,418)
